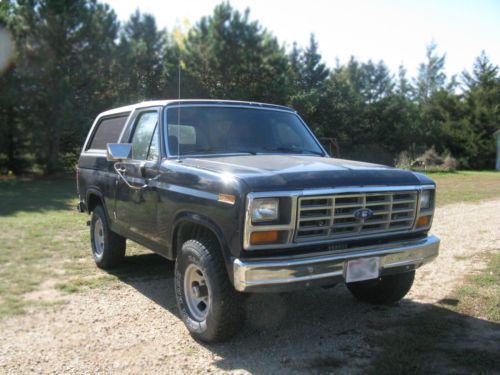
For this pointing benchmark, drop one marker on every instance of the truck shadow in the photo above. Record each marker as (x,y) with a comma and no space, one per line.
(150,274)
(327,330)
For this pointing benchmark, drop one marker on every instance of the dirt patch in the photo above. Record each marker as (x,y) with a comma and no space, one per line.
(46,293)
(467,231)
(135,328)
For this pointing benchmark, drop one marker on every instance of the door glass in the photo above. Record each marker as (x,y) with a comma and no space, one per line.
(154,149)
(144,135)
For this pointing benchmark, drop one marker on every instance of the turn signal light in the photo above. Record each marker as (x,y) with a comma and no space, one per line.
(423,221)
(262,238)
(227,198)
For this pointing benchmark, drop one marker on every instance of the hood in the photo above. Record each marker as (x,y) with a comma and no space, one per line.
(296,172)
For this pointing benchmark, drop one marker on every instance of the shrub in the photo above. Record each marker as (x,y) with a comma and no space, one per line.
(403,160)
(68,162)
(430,158)
(429,161)
(451,163)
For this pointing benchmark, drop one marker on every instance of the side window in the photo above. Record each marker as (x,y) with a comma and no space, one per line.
(108,131)
(154,148)
(145,137)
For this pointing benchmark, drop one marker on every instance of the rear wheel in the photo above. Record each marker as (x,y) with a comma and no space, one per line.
(108,248)
(209,305)
(384,290)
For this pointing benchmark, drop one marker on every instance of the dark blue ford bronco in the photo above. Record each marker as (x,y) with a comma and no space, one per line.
(245,199)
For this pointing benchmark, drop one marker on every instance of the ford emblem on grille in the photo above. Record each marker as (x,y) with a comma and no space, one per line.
(363,213)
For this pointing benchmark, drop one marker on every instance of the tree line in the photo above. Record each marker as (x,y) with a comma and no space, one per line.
(73,59)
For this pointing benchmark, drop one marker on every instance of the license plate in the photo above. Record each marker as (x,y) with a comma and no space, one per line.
(362,269)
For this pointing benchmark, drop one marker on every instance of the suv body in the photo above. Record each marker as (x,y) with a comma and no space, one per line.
(245,199)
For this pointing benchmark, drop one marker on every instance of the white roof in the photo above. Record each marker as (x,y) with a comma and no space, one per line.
(162,103)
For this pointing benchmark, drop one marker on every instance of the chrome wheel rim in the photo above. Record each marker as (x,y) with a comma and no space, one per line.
(98,237)
(196,292)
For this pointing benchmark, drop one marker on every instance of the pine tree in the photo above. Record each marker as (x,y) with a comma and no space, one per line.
(431,76)
(11,140)
(308,79)
(67,50)
(313,71)
(482,114)
(403,87)
(141,50)
(228,56)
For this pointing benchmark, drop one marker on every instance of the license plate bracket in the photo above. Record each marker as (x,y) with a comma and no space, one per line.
(362,269)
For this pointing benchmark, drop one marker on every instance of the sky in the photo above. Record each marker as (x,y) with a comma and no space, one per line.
(394,31)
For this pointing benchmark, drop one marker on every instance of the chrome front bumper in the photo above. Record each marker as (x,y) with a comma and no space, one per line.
(286,273)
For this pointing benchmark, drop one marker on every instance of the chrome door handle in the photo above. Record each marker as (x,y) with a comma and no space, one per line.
(120,172)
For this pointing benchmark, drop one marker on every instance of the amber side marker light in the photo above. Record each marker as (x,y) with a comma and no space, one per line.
(227,198)
(262,238)
(423,221)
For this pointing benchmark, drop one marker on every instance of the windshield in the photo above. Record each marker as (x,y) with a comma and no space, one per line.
(226,130)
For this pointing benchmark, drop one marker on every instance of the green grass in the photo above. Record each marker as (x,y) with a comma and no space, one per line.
(480,294)
(466,186)
(76,284)
(39,232)
(42,238)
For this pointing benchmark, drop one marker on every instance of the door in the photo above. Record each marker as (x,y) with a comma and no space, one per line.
(136,202)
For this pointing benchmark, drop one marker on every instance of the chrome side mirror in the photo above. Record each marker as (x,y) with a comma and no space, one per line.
(119,151)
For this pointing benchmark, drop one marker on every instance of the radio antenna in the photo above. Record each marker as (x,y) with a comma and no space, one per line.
(179,110)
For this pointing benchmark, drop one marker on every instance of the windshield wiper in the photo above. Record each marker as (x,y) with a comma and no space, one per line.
(216,150)
(293,150)
(201,151)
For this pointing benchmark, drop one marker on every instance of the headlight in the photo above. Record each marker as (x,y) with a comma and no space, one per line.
(425,199)
(265,209)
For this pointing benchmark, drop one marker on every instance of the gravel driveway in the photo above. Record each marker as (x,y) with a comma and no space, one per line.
(133,327)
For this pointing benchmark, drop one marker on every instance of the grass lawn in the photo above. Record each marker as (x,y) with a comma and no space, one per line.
(466,186)
(44,240)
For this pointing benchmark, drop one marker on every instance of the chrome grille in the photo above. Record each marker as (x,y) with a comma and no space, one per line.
(332,216)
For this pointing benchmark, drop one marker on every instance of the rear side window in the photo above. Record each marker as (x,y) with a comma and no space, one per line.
(108,131)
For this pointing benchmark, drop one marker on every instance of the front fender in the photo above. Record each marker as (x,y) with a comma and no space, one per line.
(209,224)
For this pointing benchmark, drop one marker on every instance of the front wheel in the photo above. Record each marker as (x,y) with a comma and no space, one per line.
(209,306)
(385,290)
